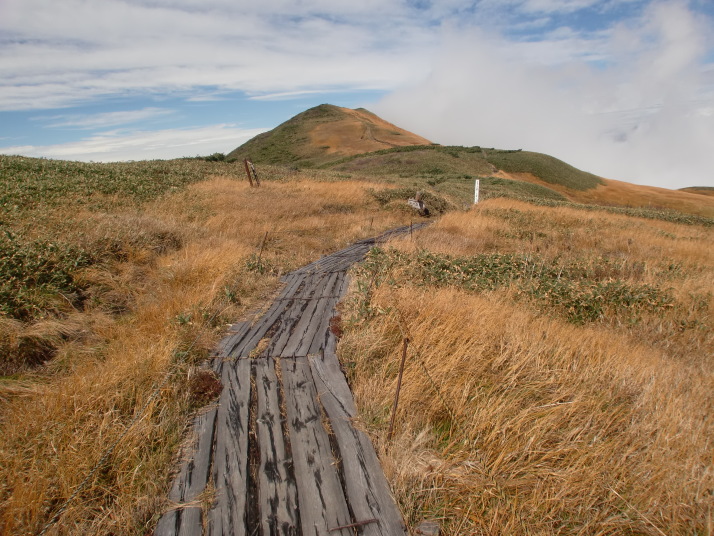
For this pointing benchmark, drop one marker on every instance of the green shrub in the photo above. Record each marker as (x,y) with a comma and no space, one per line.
(36,277)
(581,291)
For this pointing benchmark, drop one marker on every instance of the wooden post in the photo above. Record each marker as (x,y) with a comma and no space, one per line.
(399,388)
(476,191)
(255,173)
(247,172)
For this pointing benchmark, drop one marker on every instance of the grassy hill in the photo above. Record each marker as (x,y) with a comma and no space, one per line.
(322,134)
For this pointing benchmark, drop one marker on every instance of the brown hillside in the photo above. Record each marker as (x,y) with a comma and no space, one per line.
(323,134)
(625,194)
(360,131)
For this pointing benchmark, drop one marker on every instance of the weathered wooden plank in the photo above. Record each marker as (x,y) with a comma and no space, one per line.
(287,323)
(193,476)
(277,491)
(315,338)
(312,331)
(239,326)
(168,525)
(276,314)
(244,341)
(333,283)
(366,488)
(299,320)
(291,284)
(230,467)
(236,333)
(321,499)
(186,521)
(258,331)
(299,331)
(313,284)
(319,339)
(326,367)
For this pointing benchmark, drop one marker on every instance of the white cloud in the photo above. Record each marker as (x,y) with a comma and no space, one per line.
(287,95)
(115,146)
(62,53)
(634,117)
(103,120)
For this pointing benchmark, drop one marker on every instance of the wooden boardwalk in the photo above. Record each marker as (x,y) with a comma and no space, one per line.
(278,454)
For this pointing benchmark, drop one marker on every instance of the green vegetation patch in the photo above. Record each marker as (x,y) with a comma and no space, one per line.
(27,183)
(492,187)
(704,190)
(544,167)
(581,291)
(36,277)
(416,160)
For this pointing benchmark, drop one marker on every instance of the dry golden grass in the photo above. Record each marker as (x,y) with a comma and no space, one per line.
(361,132)
(514,421)
(188,265)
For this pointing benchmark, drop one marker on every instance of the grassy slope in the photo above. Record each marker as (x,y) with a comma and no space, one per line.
(559,378)
(544,167)
(520,175)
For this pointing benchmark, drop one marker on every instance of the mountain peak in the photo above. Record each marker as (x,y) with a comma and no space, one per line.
(323,134)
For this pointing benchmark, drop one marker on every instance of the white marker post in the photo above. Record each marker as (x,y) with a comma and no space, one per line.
(476,188)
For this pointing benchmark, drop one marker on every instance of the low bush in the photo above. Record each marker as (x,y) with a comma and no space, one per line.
(572,290)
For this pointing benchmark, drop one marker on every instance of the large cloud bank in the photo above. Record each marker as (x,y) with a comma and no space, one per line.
(632,103)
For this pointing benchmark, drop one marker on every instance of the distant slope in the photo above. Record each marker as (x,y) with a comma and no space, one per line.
(325,133)
(624,194)
(471,161)
(703,190)
(544,167)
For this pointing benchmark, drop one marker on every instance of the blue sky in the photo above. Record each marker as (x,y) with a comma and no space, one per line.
(622,88)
